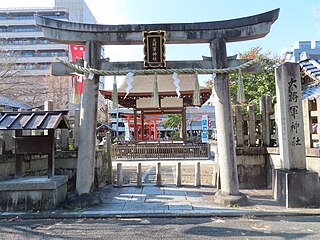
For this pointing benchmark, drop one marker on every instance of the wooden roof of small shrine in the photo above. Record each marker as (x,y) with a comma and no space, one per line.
(143,86)
(33,120)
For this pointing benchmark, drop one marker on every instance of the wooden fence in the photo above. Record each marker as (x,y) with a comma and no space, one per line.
(311,121)
(160,150)
(255,129)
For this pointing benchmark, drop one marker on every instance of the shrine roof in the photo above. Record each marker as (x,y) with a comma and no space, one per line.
(145,83)
(312,68)
(33,120)
(143,86)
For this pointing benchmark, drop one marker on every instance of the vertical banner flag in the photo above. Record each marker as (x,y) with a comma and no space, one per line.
(77,52)
(205,128)
(126,131)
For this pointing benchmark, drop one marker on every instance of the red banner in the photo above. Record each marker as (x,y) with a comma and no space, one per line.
(77,52)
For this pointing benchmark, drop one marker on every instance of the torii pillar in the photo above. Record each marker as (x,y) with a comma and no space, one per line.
(217,34)
(88,122)
(229,193)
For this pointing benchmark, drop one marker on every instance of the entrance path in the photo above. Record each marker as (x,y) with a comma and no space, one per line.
(170,200)
(167,201)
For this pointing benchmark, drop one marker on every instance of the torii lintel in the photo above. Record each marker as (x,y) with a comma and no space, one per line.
(240,29)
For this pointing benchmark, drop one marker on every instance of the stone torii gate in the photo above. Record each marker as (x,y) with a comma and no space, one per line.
(217,34)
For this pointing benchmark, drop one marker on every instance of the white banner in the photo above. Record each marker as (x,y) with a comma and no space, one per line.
(126,131)
(205,128)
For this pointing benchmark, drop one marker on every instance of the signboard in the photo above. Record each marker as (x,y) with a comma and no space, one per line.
(205,128)
(154,49)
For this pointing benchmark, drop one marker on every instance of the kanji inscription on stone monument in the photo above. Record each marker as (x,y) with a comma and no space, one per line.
(290,121)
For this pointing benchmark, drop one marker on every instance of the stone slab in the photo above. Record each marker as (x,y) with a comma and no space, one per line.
(152,190)
(144,206)
(33,183)
(131,190)
(179,206)
(33,193)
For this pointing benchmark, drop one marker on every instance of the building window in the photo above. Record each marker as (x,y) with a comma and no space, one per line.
(23,17)
(44,41)
(3,16)
(53,54)
(27,54)
(24,29)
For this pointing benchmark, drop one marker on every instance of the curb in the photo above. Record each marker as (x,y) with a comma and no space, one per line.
(104,214)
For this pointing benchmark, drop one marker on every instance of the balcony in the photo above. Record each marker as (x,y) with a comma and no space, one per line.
(33,72)
(21,34)
(15,22)
(35,59)
(36,47)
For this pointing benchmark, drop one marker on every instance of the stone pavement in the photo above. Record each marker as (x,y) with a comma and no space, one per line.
(167,201)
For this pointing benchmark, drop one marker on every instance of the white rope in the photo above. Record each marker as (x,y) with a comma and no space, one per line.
(83,70)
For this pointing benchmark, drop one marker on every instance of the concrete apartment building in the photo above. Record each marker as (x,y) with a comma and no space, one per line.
(311,48)
(22,41)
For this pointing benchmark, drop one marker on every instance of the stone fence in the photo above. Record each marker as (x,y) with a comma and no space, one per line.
(65,164)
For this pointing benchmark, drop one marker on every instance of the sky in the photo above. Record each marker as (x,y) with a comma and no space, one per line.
(297,21)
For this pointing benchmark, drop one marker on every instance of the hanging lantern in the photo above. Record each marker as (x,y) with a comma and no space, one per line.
(196,93)
(240,92)
(155,99)
(115,93)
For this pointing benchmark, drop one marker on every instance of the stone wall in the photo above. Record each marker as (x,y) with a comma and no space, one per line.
(251,164)
(65,164)
(256,165)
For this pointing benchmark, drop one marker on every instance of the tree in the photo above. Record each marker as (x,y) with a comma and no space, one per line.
(8,74)
(175,121)
(17,84)
(257,84)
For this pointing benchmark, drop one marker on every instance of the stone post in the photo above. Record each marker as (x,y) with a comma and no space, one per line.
(178,174)
(139,175)
(229,193)
(76,129)
(48,105)
(293,186)
(119,175)
(109,159)
(88,119)
(197,175)
(158,175)
(265,111)
(184,124)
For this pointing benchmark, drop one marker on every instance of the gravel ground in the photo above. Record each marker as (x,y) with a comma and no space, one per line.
(168,174)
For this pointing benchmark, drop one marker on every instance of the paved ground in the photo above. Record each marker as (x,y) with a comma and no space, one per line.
(167,201)
(280,228)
